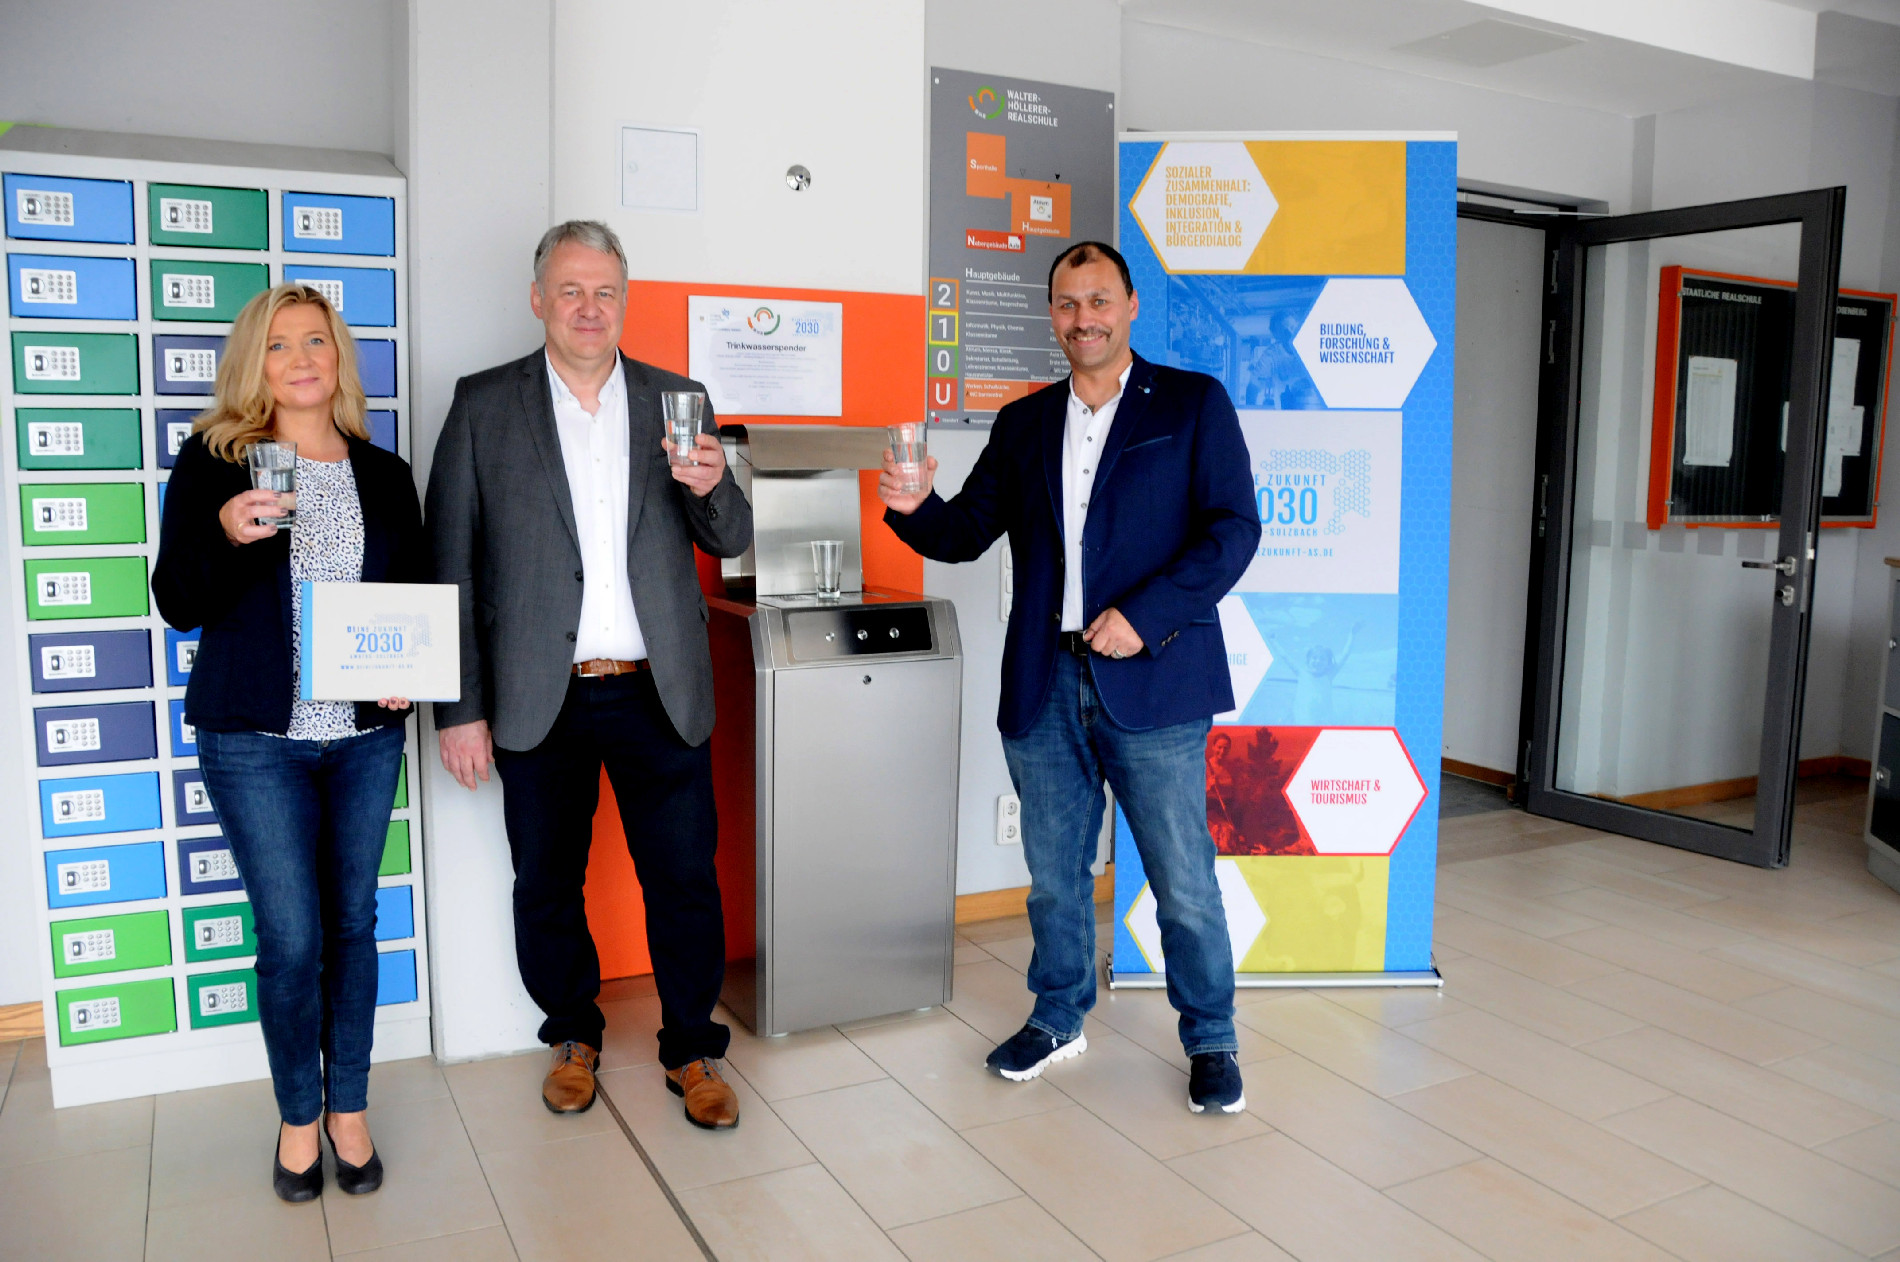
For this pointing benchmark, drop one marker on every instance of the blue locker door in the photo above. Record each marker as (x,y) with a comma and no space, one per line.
(185,363)
(174,427)
(184,735)
(181,650)
(95,733)
(376,360)
(191,804)
(206,866)
(382,429)
(55,208)
(90,661)
(105,874)
(395,977)
(70,287)
(395,913)
(330,223)
(100,804)
(364,296)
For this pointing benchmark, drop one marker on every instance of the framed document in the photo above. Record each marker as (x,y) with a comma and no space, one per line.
(366,641)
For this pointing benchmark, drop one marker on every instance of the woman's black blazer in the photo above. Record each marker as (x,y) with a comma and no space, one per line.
(240,596)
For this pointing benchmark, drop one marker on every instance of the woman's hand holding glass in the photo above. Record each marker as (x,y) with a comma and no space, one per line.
(240,514)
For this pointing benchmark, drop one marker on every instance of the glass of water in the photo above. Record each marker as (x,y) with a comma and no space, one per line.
(827,563)
(683,410)
(910,447)
(274,468)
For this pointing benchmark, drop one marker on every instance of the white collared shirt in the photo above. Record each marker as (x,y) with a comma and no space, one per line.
(1084,433)
(594,452)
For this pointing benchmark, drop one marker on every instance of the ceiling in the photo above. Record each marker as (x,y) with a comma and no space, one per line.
(1857,45)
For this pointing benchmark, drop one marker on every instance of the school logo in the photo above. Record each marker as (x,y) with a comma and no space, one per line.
(986,103)
(763,321)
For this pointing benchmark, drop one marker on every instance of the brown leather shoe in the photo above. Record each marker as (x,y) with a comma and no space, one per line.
(710,1101)
(569,1086)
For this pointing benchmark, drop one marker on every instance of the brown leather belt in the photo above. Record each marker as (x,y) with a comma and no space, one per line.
(601,667)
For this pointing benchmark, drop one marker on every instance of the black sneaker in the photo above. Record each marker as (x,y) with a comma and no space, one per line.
(1214,1083)
(1030,1050)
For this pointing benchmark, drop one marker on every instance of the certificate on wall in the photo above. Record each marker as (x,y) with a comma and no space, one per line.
(366,641)
(766,356)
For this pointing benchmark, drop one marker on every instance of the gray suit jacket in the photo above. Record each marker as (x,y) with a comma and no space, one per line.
(501,520)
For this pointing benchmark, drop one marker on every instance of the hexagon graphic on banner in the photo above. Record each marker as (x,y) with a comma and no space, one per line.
(1364,342)
(1245,920)
(1356,791)
(1248,657)
(1204,205)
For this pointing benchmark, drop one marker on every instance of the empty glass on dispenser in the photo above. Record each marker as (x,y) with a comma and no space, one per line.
(827,563)
(910,448)
(683,410)
(274,468)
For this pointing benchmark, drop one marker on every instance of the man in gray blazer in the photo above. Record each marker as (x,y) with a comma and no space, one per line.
(555,507)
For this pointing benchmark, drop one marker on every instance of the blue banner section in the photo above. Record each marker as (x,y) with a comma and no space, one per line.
(1316,280)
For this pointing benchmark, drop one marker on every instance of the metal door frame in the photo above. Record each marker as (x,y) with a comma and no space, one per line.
(1567,245)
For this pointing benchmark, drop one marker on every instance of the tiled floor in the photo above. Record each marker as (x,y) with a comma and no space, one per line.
(1638,1053)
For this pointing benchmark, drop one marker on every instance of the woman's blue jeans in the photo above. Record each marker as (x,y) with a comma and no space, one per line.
(307,821)
(1160,782)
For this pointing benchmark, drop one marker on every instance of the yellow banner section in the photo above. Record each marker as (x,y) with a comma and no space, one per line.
(1325,913)
(1341,208)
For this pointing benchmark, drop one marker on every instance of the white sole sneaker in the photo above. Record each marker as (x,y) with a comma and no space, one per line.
(1070,1049)
(1235,1107)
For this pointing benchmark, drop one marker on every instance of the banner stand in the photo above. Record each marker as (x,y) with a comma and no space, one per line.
(1287,981)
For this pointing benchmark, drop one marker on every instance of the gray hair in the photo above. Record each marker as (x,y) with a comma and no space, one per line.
(590,233)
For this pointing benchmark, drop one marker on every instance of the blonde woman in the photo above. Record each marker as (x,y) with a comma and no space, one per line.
(302,789)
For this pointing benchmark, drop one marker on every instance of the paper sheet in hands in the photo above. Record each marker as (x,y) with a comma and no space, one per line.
(367,641)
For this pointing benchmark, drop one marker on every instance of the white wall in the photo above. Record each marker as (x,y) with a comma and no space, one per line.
(212,69)
(1182,80)
(838,87)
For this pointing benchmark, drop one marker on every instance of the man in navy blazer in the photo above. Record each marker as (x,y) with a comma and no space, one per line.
(1129,506)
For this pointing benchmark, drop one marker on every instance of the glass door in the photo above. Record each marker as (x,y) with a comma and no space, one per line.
(1680,468)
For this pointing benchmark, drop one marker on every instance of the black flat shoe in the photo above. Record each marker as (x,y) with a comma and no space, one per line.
(297,1188)
(356,1180)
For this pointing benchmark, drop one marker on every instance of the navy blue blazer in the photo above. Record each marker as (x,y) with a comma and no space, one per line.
(239,597)
(1171,527)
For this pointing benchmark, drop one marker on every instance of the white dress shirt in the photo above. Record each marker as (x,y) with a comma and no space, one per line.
(594,451)
(1084,432)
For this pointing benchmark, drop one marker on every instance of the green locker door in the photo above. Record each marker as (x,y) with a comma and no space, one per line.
(85,587)
(75,363)
(221,931)
(196,290)
(111,944)
(119,1010)
(395,849)
(215,218)
(221,998)
(79,438)
(94,512)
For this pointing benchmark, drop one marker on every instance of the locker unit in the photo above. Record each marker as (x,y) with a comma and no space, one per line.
(78,438)
(52,208)
(90,661)
(111,944)
(192,289)
(75,363)
(64,513)
(120,732)
(68,287)
(126,261)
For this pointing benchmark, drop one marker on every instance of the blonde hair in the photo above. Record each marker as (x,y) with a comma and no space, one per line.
(244,409)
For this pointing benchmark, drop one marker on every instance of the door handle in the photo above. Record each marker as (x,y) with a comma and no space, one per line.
(1785,565)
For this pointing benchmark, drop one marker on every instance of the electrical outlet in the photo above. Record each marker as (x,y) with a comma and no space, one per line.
(1009,820)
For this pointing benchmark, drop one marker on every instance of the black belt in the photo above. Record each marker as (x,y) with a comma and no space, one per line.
(1073,642)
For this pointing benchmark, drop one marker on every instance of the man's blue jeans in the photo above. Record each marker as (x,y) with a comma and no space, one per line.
(307,821)
(1160,782)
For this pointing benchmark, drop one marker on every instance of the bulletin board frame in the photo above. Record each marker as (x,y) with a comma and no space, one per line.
(169,1044)
(1669,484)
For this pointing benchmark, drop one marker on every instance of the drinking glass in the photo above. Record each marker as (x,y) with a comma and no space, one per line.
(827,563)
(910,447)
(274,468)
(683,410)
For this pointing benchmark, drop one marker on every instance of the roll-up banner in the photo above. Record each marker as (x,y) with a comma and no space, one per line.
(1314,275)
